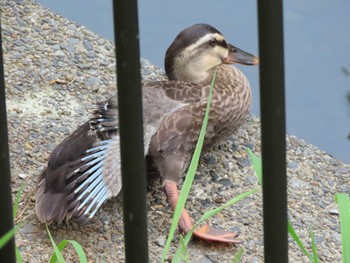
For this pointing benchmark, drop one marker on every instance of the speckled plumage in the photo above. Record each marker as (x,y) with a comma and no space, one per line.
(178,132)
(84,170)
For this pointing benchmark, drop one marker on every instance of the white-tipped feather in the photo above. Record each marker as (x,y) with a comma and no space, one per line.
(94,190)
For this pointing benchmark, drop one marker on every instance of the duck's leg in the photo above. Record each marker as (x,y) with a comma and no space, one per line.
(207,232)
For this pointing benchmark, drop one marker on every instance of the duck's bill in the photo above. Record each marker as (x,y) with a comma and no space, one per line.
(237,55)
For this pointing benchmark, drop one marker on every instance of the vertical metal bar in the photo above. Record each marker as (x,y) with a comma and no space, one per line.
(270,18)
(131,130)
(7,253)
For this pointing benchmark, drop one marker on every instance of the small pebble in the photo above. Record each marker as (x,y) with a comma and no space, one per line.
(213,175)
(161,241)
(59,53)
(293,165)
(214,257)
(318,239)
(87,44)
(209,159)
(225,181)
(243,162)
(28,228)
(23,176)
(73,40)
(334,212)
(202,260)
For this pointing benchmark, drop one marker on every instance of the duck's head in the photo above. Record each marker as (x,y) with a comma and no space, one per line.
(199,48)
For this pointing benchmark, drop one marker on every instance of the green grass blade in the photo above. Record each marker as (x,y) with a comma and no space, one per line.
(18,197)
(208,215)
(80,251)
(184,253)
(7,237)
(78,248)
(297,240)
(190,174)
(18,256)
(57,257)
(344,210)
(257,165)
(238,255)
(213,212)
(60,247)
(313,245)
(179,251)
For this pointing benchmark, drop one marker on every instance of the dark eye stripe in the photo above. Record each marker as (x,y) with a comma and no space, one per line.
(222,43)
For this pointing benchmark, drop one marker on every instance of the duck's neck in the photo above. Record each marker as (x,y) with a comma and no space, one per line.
(190,74)
(225,74)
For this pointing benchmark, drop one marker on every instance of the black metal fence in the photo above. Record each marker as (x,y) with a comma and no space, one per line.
(131,135)
(134,188)
(7,253)
(273,138)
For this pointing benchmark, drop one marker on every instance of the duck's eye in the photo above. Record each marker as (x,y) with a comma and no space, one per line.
(213,42)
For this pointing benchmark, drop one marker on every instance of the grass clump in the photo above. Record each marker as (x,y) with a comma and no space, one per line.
(57,255)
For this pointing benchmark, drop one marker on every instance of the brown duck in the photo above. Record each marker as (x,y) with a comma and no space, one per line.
(84,170)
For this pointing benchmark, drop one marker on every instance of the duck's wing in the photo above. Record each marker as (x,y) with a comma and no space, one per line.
(73,183)
(84,170)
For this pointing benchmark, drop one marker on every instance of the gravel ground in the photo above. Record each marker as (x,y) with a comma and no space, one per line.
(56,70)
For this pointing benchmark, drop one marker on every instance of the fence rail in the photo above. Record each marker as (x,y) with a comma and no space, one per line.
(7,253)
(273,134)
(131,131)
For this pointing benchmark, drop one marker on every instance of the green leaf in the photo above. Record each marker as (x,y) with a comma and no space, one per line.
(297,240)
(190,173)
(183,248)
(238,255)
(57,256)
(18,256)
(7,237)
(313,245)
(10,234)
(18,197)
(78,248)
(257,165)
(344,211)
(213,212)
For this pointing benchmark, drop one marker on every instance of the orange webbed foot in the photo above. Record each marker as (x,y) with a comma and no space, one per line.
(207,232)
(211,234)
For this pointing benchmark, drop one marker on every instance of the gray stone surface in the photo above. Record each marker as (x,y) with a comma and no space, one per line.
(56,70)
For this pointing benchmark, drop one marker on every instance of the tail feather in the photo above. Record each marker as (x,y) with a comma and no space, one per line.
(50,206)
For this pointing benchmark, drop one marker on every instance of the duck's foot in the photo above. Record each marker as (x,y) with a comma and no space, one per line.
(211,234)
(207,232)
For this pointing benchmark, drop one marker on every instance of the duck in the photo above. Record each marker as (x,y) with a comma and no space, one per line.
(83,171)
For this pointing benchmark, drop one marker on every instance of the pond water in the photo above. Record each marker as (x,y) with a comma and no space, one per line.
(317,52)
